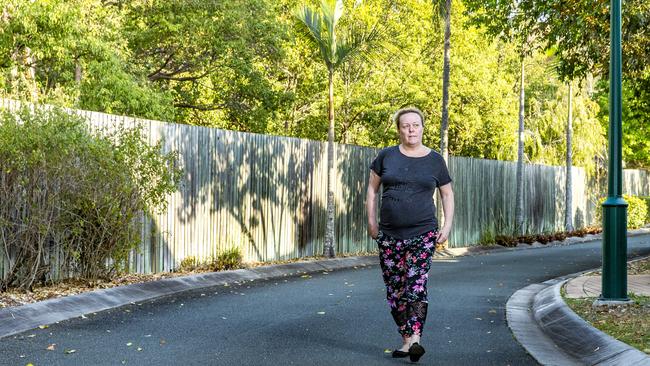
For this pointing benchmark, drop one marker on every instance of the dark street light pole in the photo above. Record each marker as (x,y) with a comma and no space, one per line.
(614,274)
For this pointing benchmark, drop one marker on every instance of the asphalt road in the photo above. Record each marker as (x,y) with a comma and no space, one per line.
(335,318)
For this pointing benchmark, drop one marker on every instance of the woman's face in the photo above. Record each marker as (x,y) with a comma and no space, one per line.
(410,129)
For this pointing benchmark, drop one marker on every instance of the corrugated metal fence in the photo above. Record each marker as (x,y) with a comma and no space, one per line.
(267,196)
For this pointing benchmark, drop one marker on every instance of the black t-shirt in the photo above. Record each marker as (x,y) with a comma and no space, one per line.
(408,185)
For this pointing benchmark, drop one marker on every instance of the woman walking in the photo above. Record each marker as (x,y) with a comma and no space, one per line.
(408,231)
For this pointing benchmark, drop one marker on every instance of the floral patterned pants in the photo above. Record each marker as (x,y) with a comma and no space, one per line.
(405,267)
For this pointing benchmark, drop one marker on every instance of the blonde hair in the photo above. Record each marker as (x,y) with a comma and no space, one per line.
(404,111)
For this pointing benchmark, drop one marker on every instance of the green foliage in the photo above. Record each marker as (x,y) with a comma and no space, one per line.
(113,90)
(487,238)
(218,59)
(637,211)
(73,53)
(74,193)
(406,71)
(629,324)
(636,114)
(248,66)
(647,203)
(228,259)
(575,32)
(547,113)
(507,21)
(189,264)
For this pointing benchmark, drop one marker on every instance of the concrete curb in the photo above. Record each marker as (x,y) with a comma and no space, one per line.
(18,319)
(520,319)
(578,338)
(554,335)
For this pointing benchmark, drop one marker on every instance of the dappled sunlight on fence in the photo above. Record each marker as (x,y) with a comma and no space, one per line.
(267,196)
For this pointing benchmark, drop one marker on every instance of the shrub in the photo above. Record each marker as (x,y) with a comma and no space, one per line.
(226,260)
(189,264)
(72,198)
(637,211)
(647,203)
(487,238)
(229,259)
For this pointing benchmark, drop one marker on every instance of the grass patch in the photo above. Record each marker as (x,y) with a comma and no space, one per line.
(627,323)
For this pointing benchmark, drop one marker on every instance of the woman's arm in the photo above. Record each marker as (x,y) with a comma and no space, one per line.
(447,196)
(371,204)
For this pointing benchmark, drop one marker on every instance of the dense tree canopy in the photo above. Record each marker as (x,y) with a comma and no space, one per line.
(576,33)
(73,53)
(245,65)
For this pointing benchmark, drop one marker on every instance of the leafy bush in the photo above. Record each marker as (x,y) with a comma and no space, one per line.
(637,211)
(647,203)
(487,238)
(226,260)
(229,259)
(189,264)
(71,197)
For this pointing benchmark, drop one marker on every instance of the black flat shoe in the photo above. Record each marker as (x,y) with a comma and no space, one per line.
(399,354)
(415,352)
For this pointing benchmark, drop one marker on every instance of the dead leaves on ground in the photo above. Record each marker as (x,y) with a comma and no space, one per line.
(15,297)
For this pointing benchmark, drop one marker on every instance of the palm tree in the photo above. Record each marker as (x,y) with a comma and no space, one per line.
(445,11)
(321,26)
(519,198)
(568,213)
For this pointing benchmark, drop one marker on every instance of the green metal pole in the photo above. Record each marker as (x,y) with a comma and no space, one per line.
(614,276)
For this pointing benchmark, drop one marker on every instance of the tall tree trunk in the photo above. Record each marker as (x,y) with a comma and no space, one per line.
(519,200)
(328,250)
(30,75)
(568,213)
(23,75)
(444,125)
(77,72)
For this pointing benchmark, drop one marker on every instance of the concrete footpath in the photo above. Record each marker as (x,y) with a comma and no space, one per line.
(590,286)
(554,335)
